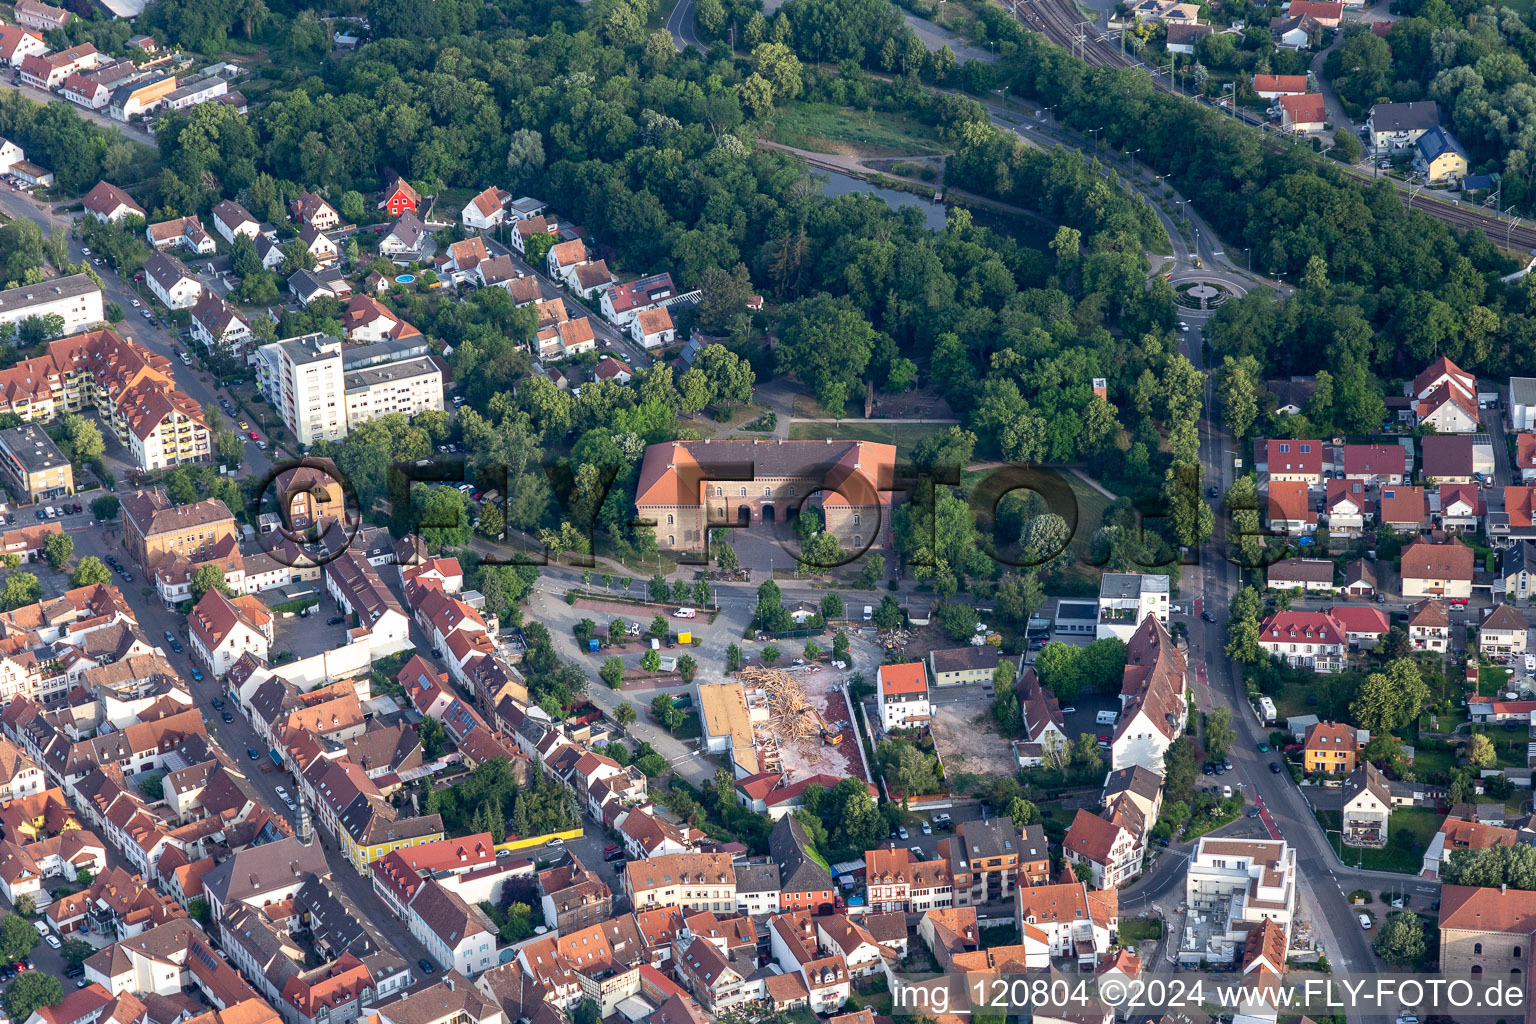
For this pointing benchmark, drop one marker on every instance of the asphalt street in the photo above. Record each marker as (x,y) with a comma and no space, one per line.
(192,379)
(610,337)
(1324,881)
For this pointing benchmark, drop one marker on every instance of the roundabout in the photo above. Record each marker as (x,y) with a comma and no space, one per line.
(1204,294)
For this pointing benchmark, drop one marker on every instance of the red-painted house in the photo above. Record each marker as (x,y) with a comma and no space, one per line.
(399,197)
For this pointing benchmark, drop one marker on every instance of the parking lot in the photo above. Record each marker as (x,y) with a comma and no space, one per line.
(1084,719)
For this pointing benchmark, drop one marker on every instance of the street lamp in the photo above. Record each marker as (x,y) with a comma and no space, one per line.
(1095,132)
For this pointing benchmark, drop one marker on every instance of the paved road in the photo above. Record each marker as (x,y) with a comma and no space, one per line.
(1324,881)
(131,132)
(680,24)
(935,37)
(238,737)
(193,380)
(610,337)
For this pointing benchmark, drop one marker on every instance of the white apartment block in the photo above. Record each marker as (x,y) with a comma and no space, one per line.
(303,378)
(1232,886)
(75,298)
(409,386)
(1126,599)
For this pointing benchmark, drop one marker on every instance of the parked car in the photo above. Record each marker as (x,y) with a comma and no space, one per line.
(250,752)
(228,717)
(335,620)
(1365,921)
(426,965)
(901,831)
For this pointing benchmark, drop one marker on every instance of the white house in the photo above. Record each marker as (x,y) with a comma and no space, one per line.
(653,328)
(487,210)
(216,324)
(319,245)
(222,629)
(1153,699)
(10,155)
(171,282)
(456,934)
(1304,640)
(901,691)
(1111,850)
(232,220)
(110,204)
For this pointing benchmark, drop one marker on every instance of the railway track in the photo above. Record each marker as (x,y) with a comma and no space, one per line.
(1061,22)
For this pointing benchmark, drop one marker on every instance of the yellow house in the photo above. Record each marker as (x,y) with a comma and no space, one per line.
(1439,156)
(1330,747)
(368,831)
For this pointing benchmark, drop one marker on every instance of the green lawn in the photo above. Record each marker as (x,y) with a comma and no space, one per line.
(825,128)
(1426,762)
(1409,832)
(1491,680)
(1137,929)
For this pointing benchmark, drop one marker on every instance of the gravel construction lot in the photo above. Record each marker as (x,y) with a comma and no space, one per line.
(965,744)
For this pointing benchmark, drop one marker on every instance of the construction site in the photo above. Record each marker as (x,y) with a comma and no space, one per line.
(801,723)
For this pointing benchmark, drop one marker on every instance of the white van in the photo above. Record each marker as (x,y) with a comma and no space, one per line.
(1107,717)
(869,612)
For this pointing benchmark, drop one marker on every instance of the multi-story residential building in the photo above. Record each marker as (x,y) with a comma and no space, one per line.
(983,861)
(1367,806)
(693,881)
(154,529)
(171,282)
(32,464)
(901,691)
(1429,626)
(222,629)
(1305,640)
(964,666)
(1068,921)
(262,875)
(409,386)
(110,204)
(1153,699)
(1330,747)
(574,897)
(623,302)
(1376,464)
(897,882)
(1110,844)
(303,378)
(216,324)
(76,299)
(1127,598)
(1504,631)
(457,935)
(41,16)
(1292,461)
(1237,884)
(1399,125)
(129,387)
(230,219)
(1437,570)
(185,232)
(20,777)
(803,883)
